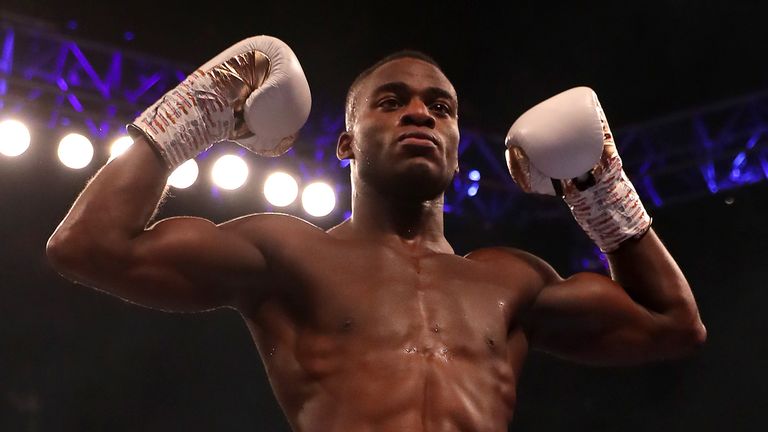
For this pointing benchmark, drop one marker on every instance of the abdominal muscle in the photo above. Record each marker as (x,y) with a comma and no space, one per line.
(344,387)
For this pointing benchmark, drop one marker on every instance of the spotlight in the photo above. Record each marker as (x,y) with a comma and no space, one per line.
(229,172)
(14,138)
(75,151)
(318,199)
(472,190)
(185,175)
(280,189)
(119,146)
(474,175)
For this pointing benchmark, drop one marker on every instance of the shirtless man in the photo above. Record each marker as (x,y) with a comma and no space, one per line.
(375,324)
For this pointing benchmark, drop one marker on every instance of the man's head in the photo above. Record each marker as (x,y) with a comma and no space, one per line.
(402,127)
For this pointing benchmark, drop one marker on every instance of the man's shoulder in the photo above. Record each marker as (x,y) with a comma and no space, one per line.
(514,259)
(278,226)
(500,254)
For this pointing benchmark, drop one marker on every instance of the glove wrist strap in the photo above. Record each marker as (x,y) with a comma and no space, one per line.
(610,211)
(187,120)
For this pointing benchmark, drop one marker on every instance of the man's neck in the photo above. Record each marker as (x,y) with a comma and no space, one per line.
(413,225)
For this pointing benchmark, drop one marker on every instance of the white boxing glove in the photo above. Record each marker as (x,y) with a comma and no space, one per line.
(564,147)
(254,93)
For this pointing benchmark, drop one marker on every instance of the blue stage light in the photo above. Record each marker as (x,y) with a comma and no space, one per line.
(472,190)
(739,160)
(708,171)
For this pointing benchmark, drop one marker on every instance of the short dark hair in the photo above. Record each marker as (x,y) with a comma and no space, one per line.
(349,106)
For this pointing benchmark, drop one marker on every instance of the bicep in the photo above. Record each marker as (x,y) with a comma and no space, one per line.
(184,264)
(590,319)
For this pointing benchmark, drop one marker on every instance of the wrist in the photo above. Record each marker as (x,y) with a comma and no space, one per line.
(610,210)
(186,121)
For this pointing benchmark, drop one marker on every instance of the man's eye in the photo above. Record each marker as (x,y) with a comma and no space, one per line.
(389,103)
(441,108)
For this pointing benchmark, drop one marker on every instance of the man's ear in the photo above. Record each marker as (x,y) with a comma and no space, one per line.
(344,146)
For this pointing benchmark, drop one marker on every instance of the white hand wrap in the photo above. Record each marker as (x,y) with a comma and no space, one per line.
(187,120)
(610,211)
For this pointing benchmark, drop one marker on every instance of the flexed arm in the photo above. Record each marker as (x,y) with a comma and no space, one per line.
(254,93)
(646,311)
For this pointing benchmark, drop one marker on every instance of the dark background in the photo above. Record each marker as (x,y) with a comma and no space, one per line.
(73,359)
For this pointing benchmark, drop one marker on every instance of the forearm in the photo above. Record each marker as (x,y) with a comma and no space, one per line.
(118,202)
(649,274)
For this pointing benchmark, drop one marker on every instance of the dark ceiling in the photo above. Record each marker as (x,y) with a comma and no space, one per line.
(644,59)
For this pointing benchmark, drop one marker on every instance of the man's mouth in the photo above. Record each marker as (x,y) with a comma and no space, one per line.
(418,139)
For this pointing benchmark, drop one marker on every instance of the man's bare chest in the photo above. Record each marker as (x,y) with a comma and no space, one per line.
(417,304)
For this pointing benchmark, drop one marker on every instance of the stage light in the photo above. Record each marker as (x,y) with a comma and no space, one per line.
(229,172)
(708,170)
(14,138)
(318,199)
(281,189)
(185,175)
(474,175)
(119,146)
(75,151)
(472,190)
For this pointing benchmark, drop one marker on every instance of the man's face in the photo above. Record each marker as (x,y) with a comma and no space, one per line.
(404,132)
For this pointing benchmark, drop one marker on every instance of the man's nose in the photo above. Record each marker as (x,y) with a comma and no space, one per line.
(416,113)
